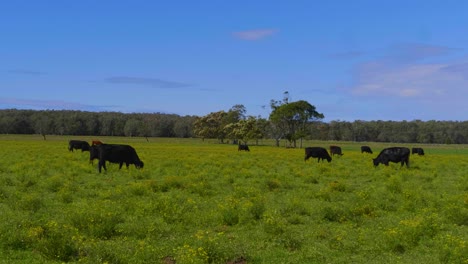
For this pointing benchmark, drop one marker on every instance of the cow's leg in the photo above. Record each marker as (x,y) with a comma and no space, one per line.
(120,165)
(102,164)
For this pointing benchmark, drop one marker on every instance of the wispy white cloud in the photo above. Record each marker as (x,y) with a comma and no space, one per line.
(346,55)
(152,82)
(26,72)
(255,34)
(49,105)
(417,81)
(410,78)
(416,51)
(458,68)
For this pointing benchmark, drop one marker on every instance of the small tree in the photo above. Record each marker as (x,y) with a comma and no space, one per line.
(42,123)
(210,126)
(132,127)
(219,124)
(245,129)
(292,117)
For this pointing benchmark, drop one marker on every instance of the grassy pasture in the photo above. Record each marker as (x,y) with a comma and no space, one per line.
(202,202)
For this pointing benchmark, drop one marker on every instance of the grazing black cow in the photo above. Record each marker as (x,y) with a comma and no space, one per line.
(366,149)
(395,154)
(317,152)
(243,147)
(116,154)
(78,144)
(418,151)
(335,150)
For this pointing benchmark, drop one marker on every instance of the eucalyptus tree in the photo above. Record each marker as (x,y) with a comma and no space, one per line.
(210,126)
(43,123)
(292,117)
(246,129)
(218,124)
(132,127)
(183,126)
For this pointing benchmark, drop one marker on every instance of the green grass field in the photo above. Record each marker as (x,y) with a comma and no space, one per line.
(202,202)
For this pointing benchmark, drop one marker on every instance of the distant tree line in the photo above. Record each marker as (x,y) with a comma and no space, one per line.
(65,122)
(292,121)
(416,131)
(288,121)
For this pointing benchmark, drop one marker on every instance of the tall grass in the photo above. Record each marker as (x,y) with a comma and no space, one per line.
(202,202)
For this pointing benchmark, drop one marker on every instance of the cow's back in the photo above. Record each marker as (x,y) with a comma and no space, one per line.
(116,153)
(78,144)
(243,147)
(335,150)
(366,149)
(316,152)
(418,151)
(393,154)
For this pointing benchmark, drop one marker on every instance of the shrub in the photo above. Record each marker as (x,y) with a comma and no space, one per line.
(55,241)
(257,209)
(273,184)
(334,213)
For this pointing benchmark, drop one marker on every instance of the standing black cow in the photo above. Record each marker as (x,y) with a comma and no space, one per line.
(317,152)
(93,153)
(116,154)
(335,150)
(418,151)
(243,147)
(78,144)
(366,149)
(395,154)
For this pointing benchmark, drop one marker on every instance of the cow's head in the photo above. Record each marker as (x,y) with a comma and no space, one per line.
(376,162)
(139,165)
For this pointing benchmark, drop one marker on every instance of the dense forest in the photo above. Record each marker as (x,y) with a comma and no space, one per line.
(225,126)
(65,122)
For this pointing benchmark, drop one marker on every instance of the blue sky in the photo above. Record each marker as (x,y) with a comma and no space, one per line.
(353,60)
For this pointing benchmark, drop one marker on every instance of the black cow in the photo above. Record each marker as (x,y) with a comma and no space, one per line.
(317,152)
(78,144)
(335,150)
(116,154)
(93,153)
(418,151)
(395,154)
(243,147)
(366,149)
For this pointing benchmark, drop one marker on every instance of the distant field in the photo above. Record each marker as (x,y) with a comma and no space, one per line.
(202,202)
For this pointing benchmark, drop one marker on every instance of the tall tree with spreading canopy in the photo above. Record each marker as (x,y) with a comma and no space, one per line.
(291,118)
(245,129)
(210,126)
(218,124)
